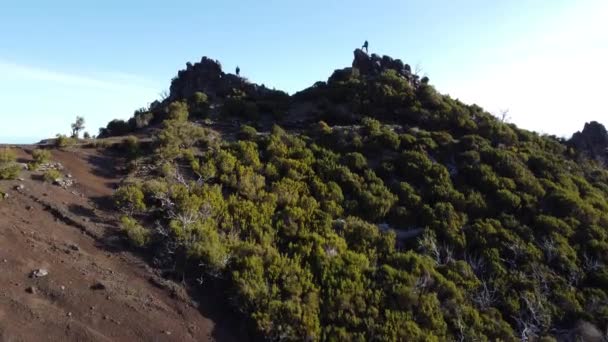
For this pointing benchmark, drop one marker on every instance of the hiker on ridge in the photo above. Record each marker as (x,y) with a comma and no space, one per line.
(365,46)
(238,71)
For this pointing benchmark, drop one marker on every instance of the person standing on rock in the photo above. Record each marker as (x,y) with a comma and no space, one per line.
(365,46)
(238,71)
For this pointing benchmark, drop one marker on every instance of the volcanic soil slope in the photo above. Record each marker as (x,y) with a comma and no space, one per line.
(65,274)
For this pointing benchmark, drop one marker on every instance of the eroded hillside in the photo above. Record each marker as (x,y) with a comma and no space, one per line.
(65,272)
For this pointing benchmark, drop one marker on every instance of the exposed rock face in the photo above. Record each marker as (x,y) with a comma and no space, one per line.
(207,77)
(592,141)
(374,65)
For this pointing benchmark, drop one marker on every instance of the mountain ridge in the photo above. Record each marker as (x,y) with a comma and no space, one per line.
(368,206)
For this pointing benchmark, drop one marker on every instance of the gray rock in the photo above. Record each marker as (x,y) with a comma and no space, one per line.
(592,142)
(585,331)
(39,273)
(362,62)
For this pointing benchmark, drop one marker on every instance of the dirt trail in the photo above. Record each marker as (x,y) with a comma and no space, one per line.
(93,291)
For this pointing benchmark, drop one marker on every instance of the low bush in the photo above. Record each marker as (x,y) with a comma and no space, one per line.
(52,175)
(9,169)
(137,234)
(64,141)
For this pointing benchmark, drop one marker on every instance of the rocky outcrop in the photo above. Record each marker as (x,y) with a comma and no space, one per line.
(207,77)
(592,142)
(374,65)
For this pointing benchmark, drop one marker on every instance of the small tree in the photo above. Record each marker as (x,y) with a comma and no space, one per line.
(77,126)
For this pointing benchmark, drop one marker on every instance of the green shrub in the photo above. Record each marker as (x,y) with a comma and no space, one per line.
(138,235)
(40,157)
(7,155)
(178,111)
(64,141)
(9,169)
(115,128)
(131,146)
(52,175)
(130,198)
(356,161)
(247,133)
(199,104)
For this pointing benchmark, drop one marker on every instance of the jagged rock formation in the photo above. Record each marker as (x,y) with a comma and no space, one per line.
(374,65)
(207,77)
(592,141)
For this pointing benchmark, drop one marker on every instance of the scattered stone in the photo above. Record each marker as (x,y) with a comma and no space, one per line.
(167,332)
(20,187)
(69,314)
(29,207)
(39,273)
(68,175)
(20,179)
(98,286)
(74,247)
(64,182)
(31,289)
(4,261)
(62,288)
(50,166)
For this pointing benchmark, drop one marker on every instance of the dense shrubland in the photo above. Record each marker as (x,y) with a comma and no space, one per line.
(419,219)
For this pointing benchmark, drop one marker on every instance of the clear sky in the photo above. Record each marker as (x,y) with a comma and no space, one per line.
(544,60)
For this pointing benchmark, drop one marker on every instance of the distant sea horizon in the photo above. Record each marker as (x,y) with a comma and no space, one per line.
(18,140)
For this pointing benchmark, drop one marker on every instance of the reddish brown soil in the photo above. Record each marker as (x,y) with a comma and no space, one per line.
(68,233)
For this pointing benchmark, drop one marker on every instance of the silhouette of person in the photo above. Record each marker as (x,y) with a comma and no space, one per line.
(238,71)
(365,46)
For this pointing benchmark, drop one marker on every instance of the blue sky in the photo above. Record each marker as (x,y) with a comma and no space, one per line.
(546,61)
